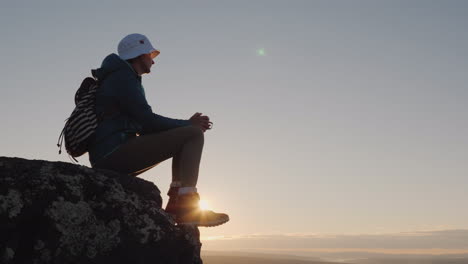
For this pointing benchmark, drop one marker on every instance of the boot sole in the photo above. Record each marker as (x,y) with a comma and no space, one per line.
(206,224)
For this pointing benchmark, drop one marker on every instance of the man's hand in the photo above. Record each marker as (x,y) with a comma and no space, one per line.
(201,121)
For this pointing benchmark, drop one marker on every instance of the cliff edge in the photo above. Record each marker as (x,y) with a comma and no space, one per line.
(56,212)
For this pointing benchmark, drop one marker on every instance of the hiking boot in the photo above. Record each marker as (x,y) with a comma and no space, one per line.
(171,206)
(186,211)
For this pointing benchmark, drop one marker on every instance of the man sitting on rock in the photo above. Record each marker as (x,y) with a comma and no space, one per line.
(132,139)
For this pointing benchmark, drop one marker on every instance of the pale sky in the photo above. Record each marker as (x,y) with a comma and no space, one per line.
(353,121)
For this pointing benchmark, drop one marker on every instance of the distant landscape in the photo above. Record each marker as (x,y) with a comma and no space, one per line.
(214,257)
(250,259)
(254,260)
(422,247)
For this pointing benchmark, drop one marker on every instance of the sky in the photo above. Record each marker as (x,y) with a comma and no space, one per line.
(330,117)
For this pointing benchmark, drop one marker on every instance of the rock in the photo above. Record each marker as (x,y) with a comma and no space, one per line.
(56,212)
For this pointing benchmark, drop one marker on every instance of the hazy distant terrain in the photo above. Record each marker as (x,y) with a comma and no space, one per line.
(427,260)
(211,257)
(254,258)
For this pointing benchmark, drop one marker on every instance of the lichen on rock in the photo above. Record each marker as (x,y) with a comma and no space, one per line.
(8,255)
(11,203)
(77,223)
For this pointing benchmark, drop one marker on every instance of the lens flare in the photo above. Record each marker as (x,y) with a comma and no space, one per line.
(261,52)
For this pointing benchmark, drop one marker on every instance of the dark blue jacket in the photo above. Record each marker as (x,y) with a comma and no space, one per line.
(122,105)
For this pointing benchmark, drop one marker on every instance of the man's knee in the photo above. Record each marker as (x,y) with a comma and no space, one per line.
(196,132)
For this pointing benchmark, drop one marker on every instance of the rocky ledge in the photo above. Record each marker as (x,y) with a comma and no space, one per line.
(56,212)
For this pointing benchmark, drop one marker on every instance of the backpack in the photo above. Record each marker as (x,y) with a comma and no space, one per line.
(80,127)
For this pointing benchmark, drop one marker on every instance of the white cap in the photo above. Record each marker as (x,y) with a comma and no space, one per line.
(134,45)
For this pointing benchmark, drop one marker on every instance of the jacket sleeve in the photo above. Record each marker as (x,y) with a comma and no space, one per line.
(131,99)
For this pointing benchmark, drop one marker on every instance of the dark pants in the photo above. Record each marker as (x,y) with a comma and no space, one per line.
(184,145)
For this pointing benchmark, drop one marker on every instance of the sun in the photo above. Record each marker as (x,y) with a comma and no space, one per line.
(204,205)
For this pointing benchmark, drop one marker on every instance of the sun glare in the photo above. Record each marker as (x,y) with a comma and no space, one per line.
(204,205)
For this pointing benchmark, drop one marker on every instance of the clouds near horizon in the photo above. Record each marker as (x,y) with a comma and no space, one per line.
(421,242)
